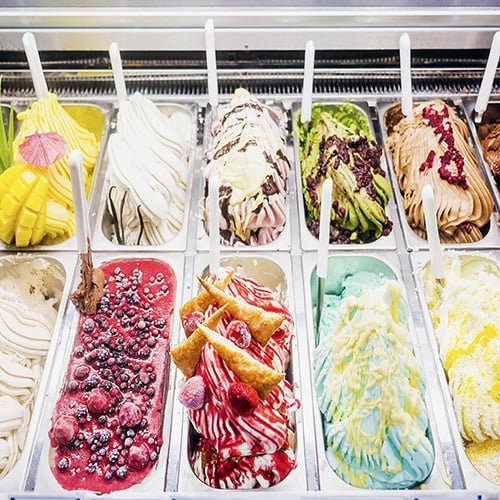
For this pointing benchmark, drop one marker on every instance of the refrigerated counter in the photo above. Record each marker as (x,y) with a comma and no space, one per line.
(261,48)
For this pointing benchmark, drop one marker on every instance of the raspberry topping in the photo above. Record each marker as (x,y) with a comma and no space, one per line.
(114,390)
(138,457)
(65,429)
(98,402)
(440,122)
(238,332)
(130,415)
(190,322)
(192,395)
(242,398)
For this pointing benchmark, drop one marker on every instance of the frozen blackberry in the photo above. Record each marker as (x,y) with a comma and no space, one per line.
(122,472)
(104,437)
(88,325)
(113,457)
(90,383)
(81,413)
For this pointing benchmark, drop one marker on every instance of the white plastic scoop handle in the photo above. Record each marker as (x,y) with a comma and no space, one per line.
(35,65)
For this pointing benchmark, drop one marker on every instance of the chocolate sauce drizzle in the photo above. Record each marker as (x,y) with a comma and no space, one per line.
(117,221)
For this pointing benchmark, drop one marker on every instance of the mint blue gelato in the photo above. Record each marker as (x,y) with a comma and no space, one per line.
(369,387)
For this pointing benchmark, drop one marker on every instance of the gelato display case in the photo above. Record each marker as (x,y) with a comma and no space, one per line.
(228,366)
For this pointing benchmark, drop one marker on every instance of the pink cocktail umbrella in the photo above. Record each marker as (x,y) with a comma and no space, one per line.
(43,149)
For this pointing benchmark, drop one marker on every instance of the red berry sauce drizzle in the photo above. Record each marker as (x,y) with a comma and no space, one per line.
(239,441)
(106,426)
(441,123)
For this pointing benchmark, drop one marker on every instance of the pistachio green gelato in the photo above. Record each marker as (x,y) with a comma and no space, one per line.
(337,143)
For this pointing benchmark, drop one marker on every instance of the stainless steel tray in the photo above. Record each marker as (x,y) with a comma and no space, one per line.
(440,477)
(308,240)
(16,479)
(273,271)
(414,242)
(103,227)
(41,479)
(282,241)
(471,477)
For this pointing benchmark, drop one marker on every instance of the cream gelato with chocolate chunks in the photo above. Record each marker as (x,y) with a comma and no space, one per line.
(246,151)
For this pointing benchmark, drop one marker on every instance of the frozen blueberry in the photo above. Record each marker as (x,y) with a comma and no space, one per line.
(160,323)
(73,386)
(63,464)
(79,351)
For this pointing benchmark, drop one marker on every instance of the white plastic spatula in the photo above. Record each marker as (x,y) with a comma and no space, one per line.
(323,242)
(213,223)
(488,78)
(117,67)
(213,90)
(432,232)
(307,87)
(79,200)
(35,65)
(405,64)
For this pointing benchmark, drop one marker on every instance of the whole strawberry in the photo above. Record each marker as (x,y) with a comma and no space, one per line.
(243,398)
(192,395)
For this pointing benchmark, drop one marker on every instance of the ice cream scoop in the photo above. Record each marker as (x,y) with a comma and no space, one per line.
(464,313)
(106,432)
(30,294)
(36,205)
(240,404)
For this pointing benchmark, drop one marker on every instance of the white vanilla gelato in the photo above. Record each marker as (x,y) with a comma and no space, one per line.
(147,172)
(30,294)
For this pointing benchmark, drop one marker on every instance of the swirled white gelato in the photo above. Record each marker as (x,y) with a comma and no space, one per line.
(30,294)
(147,172)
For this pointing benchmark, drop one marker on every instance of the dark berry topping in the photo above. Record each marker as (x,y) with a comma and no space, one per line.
(63,464)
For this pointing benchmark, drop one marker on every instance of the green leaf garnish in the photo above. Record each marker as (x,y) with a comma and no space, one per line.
(6,142)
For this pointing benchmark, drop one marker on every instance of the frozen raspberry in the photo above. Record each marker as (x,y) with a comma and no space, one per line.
(98,401)
(65,429)
(243,398)
(130,415)
(192,395)
(238,332)
(81,372)
(191,320)
(138,457)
